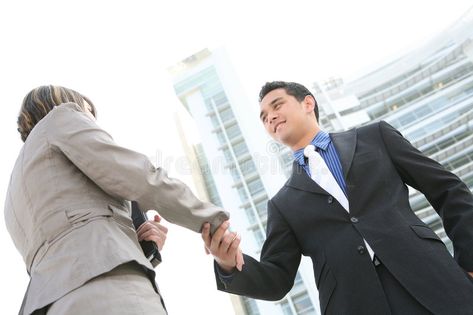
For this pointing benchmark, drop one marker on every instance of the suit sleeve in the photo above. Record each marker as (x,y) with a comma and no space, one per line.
(447,194)
(272,277)
(126,174)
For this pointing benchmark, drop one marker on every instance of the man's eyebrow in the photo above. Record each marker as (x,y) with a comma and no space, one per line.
(261,113)
(275,101)
(272,104)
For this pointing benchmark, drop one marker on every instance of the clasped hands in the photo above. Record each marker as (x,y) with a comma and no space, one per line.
(153,230)
(224,246)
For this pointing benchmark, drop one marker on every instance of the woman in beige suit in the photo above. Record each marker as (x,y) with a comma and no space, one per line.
(68,214)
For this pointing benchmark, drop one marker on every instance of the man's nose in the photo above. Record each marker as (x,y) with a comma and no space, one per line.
(272,118)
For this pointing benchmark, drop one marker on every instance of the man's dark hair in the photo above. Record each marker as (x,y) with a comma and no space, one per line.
(292,88)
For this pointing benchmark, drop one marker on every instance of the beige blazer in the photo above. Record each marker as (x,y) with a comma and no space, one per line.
(66,207)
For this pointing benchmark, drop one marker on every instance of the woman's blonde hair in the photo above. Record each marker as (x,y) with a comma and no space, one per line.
(41,100)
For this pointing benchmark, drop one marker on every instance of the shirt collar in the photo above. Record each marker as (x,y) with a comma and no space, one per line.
(320,141)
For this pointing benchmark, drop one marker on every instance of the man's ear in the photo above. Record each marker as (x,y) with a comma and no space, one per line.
(309,103)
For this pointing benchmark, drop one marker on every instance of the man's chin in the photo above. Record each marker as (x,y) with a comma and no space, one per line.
(281,140)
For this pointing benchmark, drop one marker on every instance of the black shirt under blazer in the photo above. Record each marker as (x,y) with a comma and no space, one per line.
(377,163)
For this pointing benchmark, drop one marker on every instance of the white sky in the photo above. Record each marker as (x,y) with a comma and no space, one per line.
(117,52)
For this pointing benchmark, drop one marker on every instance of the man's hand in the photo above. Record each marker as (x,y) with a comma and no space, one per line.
(471,274)
(154,231)
(224,246)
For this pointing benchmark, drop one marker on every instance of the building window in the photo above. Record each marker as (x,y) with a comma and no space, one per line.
(219,99)
(247,167)
(243,194)
(240,148)
(259,236)
(250,305)
(303,304)
(255,186)
(235,174)
(228,155)
(262,208)
(286,308)
(226,114)
(250,214)
(214,120)
(233,131)
(221,137)
(298,283)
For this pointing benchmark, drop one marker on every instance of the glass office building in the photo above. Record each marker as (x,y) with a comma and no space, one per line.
(426,94)
(233,161)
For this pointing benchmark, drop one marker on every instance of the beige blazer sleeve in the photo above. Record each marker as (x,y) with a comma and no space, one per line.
(124,173)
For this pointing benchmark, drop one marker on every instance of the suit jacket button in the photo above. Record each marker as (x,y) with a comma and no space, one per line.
(330,199)
(354,220)
(361,249)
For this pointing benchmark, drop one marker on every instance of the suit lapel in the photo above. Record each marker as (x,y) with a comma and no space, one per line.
(300,180)
(345,143)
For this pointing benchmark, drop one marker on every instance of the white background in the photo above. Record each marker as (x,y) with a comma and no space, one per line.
(117,52)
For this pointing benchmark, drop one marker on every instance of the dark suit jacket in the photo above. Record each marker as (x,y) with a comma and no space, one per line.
(303,219)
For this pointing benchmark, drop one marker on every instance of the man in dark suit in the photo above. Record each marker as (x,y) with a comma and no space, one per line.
(370,254)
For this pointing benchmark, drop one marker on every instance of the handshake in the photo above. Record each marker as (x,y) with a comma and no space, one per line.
(224,246)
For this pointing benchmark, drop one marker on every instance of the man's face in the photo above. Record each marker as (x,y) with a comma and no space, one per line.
(285,119)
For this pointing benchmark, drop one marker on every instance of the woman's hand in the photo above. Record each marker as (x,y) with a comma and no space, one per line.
(154,231)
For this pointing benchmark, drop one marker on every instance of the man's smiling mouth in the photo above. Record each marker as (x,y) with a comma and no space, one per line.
(277,125)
